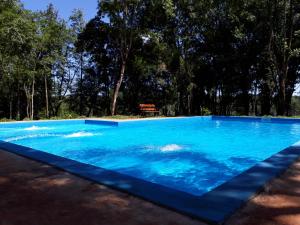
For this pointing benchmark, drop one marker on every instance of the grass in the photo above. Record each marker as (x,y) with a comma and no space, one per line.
(123,117)
(6,120)
(117,117)
(120,117)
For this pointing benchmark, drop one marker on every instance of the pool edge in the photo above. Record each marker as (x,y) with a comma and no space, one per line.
(213,207)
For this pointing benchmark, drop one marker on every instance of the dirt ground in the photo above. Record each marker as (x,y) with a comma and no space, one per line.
(32,193)
(279,204)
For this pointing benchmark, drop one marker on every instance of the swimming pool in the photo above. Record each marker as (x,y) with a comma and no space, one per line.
(189,157)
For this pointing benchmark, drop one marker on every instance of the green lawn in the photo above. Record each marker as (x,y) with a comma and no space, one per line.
(125,117)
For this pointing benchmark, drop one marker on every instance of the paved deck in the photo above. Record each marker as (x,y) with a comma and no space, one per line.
(279,204)
(32,193)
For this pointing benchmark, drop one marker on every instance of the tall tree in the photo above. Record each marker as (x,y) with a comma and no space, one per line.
(124,19)
(79,56)
(53,39)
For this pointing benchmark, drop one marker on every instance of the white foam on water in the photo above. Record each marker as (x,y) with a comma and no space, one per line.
(297,144)
(171,148)
(28,137)
(80,134)
(36,128)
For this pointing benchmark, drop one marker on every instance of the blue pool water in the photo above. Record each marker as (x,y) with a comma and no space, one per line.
(190,154)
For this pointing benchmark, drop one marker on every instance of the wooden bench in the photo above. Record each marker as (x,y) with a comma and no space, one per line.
(148,108)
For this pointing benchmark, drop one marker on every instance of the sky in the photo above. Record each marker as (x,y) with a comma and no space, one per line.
(64,7)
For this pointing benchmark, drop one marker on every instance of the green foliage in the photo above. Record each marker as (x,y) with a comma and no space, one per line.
(188,57)
(206,112)
(5,120)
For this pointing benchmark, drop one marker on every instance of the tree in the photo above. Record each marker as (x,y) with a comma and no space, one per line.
(188,57)
(124,19)
(52,47)
(283,23)
(77,27)
(17,37)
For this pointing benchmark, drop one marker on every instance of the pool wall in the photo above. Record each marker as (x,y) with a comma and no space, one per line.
(102,122)
(39,123)
(256,119)
(213,207)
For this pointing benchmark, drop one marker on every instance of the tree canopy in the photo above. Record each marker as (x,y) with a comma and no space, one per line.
(189,57)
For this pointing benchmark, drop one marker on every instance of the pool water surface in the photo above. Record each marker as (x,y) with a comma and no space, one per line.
(193,155)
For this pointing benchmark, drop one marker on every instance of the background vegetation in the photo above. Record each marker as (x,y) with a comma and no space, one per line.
(189,57)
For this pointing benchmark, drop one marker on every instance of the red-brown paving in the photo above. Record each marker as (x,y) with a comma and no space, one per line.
(32,193)
(279,204)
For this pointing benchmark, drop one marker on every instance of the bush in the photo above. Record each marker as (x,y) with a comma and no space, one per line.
(205,111)
(5,120)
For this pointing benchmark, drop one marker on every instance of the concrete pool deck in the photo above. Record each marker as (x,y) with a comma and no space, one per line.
(32,193)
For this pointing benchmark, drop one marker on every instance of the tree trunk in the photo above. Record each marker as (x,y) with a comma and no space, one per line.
(281,98)
(46,97)
(246,102)
(27,101)
(255,100)
(80,86)
(10,108)
(18,104)
(32,102)
(288,36)
(117,88)
(266,98)
(281,109)
(189,100)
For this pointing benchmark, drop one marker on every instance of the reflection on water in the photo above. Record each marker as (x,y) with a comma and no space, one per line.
(171,147)
(33,128)
(79,134)
(191,155)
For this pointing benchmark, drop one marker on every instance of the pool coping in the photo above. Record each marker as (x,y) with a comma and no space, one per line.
(258,119)
(214,207)
(102,119)
(239,118)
